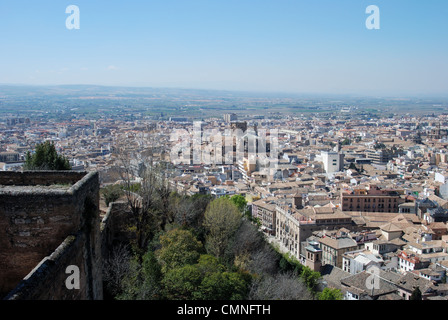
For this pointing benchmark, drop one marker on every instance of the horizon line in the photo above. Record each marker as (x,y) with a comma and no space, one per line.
(247,91)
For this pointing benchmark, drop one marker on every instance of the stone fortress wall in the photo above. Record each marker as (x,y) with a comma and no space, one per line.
(49,220)
(114,230)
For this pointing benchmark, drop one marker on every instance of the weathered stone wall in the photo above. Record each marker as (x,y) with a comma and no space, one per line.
(44,178)
(114,227)
(47,280)
(36,216)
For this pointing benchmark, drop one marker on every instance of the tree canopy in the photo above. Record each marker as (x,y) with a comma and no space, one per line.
(179,247)
(330,294)
(221,219)
(207,249)
(46,157)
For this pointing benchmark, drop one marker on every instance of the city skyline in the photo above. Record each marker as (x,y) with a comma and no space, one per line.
(240,150)
(264,46)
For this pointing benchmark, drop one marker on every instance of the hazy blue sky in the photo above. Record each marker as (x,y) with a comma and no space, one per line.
(314,46)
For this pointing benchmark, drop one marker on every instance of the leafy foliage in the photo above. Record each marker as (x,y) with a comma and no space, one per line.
(111,193)
(222,218)
(46,157)
(179,247)
(208,249)
(182,283)
(330,294)
(224,286)
(240,202)
(310,278)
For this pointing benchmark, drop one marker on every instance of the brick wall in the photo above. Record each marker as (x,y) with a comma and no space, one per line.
(39,211)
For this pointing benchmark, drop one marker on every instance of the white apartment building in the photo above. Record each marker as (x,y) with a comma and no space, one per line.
(333,161)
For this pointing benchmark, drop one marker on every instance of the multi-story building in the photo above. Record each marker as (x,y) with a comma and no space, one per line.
(333,161)
(381,156)
(264,211)
(294,226)
(313,256)
(246,167)
(229,117)
(437,133)
(288,225)
(333,249)
(360,260)
(409,261)
(408,282)
(9,157)
(431,251)
(371,200)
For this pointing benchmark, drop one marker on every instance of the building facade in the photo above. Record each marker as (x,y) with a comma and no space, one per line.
(372,200)
(333,161)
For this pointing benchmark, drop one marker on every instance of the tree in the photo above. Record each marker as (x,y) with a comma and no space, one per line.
(189,211)
(179,247)
(224,286)
(282,286)
(248,239)
(152,276)
(208,264)
(144,221)
(183,283)
(221,284)
(111,193)
(221,219)
(263,261)
(240,202)
(330,294)
(143,279)
(310,278)
(116,268)
(205,280)
(289,263)
(46,157)
(251,251)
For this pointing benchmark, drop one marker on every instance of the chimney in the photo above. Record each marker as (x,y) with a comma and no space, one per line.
(298,201)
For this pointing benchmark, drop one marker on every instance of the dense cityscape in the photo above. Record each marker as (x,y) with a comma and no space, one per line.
(215,159)
(349,191)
